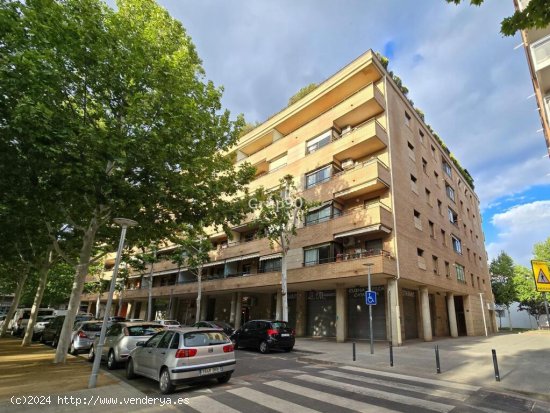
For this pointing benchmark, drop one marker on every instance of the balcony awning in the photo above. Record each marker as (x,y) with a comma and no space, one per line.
(364,230)
(322,205)
(243,257)
(213,264)
(271,257)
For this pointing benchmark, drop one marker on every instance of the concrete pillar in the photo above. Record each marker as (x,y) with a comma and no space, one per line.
(238,310)
(469,309)
(341,314)
(279,306)
(426,318)
(129,308)
(452,314)
(394,313)
(143,312)
(301,313)
(233,306)
(89,309)
(204,308)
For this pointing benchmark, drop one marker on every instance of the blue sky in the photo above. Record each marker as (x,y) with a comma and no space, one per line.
(471,82)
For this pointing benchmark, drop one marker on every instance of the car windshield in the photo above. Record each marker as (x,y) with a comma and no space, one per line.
(279,324)
(205,338)
(144,330)
(91,327)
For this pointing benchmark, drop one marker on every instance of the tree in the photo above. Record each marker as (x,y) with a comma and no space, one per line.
(541,250)
(502,281)
(536,15)
(110,115)
(306,90)
(280,211)
(529,299)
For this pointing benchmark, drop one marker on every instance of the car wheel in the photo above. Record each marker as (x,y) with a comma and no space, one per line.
(165,383)
(224,379)
(73,350)
(288,349)
(91,354)
(264,347)
(111,360)
(130,374)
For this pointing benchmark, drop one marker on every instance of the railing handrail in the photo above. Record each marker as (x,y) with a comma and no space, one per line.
(349,212)
(377,252)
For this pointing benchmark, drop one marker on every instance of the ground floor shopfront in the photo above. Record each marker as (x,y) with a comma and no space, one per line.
(403,311)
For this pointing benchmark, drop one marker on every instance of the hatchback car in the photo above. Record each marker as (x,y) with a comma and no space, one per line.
(83,335)
(120,339)
(182,355)
(227,329)
(169,323)
(265,335)
(41,323)
(52,331)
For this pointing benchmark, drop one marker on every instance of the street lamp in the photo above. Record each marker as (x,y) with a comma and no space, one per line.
(124,223)
(369,265)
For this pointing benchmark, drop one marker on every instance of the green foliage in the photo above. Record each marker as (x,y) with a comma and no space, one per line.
(541,250)
(302,92)
(58,287)
(535,16)
(529,299)
(502,279)
(192,247)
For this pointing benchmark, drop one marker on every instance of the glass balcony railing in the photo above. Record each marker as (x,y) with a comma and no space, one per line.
(540,52)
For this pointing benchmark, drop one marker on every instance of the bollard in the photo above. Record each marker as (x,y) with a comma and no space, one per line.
(391,354)
(353,348)
(437,364)
(495,364)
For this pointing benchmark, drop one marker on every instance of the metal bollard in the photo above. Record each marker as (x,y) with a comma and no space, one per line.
(391,354)
(437,364)
(353,347)
(495,364)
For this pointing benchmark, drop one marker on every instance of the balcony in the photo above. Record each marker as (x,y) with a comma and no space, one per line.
(540,55)
(363,140)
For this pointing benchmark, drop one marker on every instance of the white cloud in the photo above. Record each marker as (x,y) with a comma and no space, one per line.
(519,228)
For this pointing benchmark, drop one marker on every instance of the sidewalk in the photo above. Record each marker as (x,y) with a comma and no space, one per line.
(523,359)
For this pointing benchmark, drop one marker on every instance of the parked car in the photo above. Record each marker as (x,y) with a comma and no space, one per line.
(120,339)
(83,335)
(133,320)
(182,355)
(52,331)
(265,335)
(116,319)
(169,323)
(2,319)
(21,319)
(40,325)
(227,328)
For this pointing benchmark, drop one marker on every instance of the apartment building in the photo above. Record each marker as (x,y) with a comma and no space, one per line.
(391,202)
(536,43)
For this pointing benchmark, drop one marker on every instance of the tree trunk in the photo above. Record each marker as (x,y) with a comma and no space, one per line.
(43,274)
(15,302)
(150,293)
(78,285)
(199,295)
(509,317)
(284,294)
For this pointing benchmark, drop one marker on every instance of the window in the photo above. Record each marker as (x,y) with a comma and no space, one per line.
(425,166)
(417,220)
(322,214)
(443,237)
(317,255)
(447,169)
(447,269)
(319,176)
(435,264)
(411,151)
(420,258)
(457,244)
(421,135)
(439,207)
(460,273)
(453,216)
(277,162)
(468,250)
(165,341)
(450,192)
(318,142)
(413,184)
(436,176)
(249,236)
(428,196)
(433,152)
(407,119)
(247,269)
(432,229)
(272,265)
(478,283)
(472,279)
(462,206)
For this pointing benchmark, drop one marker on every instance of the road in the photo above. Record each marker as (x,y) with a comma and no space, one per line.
(280,382)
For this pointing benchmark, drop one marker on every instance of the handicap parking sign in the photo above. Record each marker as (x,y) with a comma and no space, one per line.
(370,297)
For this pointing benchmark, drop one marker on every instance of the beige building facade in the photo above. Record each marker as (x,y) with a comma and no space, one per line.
(391,202)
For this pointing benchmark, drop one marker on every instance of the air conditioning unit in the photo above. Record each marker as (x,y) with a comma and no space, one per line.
(348,163)
(348,241)
(346,129)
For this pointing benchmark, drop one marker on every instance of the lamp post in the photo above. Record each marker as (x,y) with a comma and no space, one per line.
(124,223)
(369,265)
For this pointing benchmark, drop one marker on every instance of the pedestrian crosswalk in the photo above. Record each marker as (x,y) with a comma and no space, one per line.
(342,389)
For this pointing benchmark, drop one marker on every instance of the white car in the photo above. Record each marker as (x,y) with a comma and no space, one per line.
(169,323)
(41,323)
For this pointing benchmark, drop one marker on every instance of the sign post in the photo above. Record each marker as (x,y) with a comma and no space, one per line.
(370,298)
(541,272)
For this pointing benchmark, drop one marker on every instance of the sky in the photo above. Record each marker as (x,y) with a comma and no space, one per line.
(471,82)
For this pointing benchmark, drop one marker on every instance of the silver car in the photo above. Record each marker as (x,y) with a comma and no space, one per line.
(83,336)
(120,339)
(182,355)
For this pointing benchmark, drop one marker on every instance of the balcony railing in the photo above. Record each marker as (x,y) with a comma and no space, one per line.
(349,256)
(541,53)
(351,211)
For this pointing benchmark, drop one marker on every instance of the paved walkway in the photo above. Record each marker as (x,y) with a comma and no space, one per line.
(523,358)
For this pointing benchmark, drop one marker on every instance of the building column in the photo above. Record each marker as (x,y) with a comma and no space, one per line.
(341,314)
(129,308)
(279,306)
(469,315)
(204,308)
(452,314)
(233,307)
(300,313)
(238,310)
(143,311)
(394,313)
(426,318)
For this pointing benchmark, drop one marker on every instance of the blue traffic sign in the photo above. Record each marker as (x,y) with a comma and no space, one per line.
(370,297)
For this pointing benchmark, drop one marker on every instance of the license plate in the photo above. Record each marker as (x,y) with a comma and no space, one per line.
(211,370)
(285,335)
